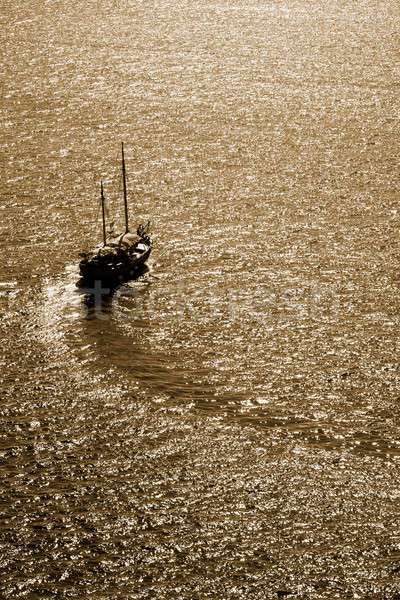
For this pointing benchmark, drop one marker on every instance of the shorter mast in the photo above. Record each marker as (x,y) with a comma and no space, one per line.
(103,215)
(125,198)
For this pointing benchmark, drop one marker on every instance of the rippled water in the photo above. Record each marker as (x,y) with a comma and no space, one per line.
(227,426)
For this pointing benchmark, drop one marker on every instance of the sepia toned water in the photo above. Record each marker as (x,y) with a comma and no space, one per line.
(227,426)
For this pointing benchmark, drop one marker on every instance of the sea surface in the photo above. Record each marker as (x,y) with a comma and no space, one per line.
(227,426)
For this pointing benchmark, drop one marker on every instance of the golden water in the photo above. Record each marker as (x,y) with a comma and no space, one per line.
(227,426)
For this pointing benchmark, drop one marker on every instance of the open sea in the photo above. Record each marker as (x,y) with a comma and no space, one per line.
(228,425)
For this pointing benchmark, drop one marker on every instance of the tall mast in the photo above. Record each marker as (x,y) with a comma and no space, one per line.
(103,215)
(125,198)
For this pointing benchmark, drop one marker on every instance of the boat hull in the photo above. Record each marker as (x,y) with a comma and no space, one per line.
(113,273)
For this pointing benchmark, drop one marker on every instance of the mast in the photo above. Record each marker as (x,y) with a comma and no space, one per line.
(103,215)
(124,180)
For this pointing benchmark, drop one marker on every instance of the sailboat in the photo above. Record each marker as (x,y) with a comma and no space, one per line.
(122,256)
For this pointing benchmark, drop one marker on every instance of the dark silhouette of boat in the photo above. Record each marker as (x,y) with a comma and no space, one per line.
(122,256)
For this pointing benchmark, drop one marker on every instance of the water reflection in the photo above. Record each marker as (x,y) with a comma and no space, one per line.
(119,327)
(141,333)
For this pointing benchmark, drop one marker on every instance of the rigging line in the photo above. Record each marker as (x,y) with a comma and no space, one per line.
(119,176)
(125,190)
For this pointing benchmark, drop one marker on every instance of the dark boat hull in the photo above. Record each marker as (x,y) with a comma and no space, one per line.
(113,273)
